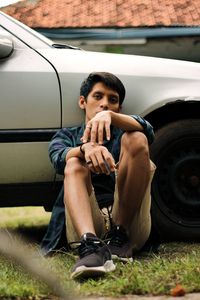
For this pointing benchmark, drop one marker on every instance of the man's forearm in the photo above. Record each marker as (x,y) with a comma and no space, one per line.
(132,123)
(125,122)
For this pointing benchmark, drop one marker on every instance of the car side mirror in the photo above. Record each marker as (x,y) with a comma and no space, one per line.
(6,45)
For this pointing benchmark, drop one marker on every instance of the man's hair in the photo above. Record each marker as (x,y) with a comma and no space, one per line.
(109,80)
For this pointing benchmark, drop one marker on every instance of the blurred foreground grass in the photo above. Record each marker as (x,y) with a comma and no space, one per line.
(23,216)
(176,263)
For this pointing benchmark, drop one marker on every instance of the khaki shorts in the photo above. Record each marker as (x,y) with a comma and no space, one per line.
(140,226)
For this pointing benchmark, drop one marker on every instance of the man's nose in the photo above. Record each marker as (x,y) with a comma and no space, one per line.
(104,103)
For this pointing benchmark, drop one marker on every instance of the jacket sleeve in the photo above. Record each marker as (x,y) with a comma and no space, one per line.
(60,144)
(148,129)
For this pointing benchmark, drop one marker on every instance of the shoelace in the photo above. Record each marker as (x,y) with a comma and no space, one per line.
(116,237)
(87,246)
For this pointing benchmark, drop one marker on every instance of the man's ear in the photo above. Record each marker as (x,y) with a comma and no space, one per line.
(82,102)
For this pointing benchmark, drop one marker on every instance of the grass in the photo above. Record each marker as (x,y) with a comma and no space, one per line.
(23,216)
(157,274)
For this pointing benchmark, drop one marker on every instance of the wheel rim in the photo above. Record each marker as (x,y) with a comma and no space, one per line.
(177,181)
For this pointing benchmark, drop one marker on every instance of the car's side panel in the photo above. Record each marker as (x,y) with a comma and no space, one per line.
(32,163)
(30,112)
(150,82)
(30,95)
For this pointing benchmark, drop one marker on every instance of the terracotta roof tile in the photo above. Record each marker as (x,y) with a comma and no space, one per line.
(105,13)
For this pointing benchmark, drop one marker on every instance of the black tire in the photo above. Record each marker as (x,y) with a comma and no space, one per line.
(176,184)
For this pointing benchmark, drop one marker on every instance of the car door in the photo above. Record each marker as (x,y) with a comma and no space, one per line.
(30,113)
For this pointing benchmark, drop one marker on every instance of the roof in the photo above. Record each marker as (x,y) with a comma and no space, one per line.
(105,13)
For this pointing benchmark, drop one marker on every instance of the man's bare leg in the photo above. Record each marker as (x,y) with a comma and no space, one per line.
(94,256)
(77,188)
(133,176)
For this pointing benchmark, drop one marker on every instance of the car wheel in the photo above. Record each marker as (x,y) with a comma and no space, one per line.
(176,184)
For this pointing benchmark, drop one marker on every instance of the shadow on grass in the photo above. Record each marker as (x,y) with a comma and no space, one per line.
(32,234)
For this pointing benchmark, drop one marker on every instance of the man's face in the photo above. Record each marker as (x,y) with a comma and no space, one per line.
(100,98)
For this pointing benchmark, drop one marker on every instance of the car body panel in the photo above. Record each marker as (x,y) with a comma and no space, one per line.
(148,85)
(32,163)
(30,103)
(30,95)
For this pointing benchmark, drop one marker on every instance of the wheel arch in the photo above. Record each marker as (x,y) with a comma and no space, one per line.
(173,111)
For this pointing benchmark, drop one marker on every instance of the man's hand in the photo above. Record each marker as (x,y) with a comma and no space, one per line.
(98,158)
(97,127)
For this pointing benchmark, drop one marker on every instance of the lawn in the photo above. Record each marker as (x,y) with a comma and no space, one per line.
(157,274)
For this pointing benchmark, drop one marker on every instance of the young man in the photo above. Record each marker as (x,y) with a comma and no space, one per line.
(109,152)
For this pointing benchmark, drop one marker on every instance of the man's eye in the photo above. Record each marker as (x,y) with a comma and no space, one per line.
(114,100)
(97,97)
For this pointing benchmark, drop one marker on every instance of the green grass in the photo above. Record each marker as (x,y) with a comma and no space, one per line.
(23,216)
(176,263)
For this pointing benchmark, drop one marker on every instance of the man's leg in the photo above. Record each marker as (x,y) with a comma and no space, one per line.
(83,211)
(131,210)
(95,257)
(77,188)
(133,176)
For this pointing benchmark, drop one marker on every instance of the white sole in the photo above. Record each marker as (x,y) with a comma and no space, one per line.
(122,259)
(85,272)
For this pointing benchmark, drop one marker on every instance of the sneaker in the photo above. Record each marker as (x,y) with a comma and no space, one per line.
(95,258)
(118,243)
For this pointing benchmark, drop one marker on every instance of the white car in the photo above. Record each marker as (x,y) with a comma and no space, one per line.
(39,90)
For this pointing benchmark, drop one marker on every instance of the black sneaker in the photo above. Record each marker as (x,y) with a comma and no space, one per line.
(95,258)
(118,243)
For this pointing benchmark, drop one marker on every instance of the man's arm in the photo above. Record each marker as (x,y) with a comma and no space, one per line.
(61,144)
(125,122)
(101,123)
(147,128)
(63,147)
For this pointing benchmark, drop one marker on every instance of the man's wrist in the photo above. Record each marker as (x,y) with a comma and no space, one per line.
(82,150)
(82,147)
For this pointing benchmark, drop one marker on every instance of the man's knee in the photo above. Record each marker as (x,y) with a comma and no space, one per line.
(135,142)
(74,166)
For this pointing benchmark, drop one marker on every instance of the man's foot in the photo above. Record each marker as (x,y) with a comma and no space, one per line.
(118,243)
(95,258)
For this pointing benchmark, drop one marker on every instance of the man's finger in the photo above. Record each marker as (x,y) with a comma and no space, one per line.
(86,134)
(107,129)
(109,161)
(100,133)
(95,165)
(101,163)
(93,133)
